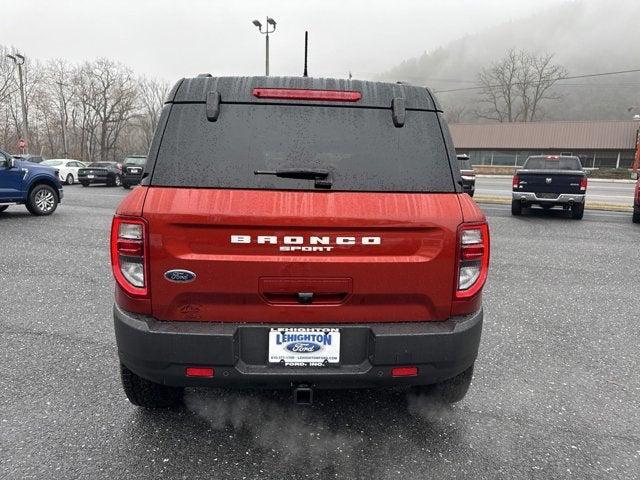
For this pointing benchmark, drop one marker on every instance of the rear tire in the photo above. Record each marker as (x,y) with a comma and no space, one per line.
(449,391)
(3,208)
(42,200)
(635,218)
(126,186)
(69,180)
(516,207)
(147,394)
(577,211)
(84,184)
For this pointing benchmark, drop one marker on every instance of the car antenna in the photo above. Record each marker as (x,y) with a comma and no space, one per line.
(306,52)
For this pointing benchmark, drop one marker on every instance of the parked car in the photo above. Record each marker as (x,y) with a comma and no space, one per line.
(467,174)
(67,168)
(108,173)
(310,234)
(29,158)
(24,183)
(133,168)
(636,203)
(550,181)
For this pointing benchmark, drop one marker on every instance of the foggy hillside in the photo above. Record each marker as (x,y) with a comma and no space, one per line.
(588,36)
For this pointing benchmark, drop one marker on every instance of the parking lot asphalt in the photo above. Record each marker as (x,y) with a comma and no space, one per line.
(555,394)
(613,193)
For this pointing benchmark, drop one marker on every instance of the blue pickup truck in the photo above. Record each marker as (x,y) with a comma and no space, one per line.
(25,183)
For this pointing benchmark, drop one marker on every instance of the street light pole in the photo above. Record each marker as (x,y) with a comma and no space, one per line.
(270,22)
(19,60)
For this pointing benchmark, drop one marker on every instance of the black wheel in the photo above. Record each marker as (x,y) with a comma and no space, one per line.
(577,211)
(116,181)
(635,218)
(126,186)
(43,200)
(3,208)
(516,207)
(147,394)
(449,391)
(84,184)
(69,180)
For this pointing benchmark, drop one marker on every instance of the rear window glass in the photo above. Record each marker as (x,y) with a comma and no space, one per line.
(135,160)
(360,147)
(52,163)
(544,163)
(100,164)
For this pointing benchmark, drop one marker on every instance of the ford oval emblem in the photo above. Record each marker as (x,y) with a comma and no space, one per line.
(304,347)
(180,276)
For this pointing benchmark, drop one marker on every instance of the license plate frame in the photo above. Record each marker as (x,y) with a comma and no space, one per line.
(90,177)
(303,346)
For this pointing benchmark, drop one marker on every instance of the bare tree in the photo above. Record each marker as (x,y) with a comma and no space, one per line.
(152,95)
(514,88)
(113,96)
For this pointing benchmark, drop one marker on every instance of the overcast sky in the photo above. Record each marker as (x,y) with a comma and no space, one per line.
(171,39)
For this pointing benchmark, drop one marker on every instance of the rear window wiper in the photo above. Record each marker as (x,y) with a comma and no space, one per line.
(321,177)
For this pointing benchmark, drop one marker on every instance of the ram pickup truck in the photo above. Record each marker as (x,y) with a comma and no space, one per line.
(467,173)
(550,181)
(302,234)
(30,184)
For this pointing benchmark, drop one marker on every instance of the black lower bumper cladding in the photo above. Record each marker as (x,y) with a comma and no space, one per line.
(161,352)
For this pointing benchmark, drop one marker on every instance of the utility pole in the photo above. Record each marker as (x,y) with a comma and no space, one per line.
(270,22)
(19,61)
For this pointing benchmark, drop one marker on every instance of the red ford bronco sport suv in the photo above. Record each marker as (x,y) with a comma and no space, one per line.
(302,234)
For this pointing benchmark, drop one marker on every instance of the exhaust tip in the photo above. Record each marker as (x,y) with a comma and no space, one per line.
(303,395)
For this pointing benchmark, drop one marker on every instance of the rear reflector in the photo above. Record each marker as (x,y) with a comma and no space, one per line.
(203,372)
(304,94)
(404,371)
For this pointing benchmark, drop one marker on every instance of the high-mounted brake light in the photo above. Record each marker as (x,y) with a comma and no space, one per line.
(583,184)
(473,259)
(305,94)
(128,255)
(516,181)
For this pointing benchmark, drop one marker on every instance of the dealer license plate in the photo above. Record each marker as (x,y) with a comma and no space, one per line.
(304,347)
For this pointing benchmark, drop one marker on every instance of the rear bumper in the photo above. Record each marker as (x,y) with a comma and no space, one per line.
(563,198)
(95,179)
(131,179)
(160,352)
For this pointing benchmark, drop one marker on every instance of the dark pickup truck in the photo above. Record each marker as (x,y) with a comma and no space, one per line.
(550,181)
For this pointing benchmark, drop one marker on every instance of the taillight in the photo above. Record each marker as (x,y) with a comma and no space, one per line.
(129,255)
(583,184)
(307,94)
(516,181)
(473,259)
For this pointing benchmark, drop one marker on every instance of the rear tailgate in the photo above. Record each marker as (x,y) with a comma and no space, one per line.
(550,181)
(365,257)
(95,171)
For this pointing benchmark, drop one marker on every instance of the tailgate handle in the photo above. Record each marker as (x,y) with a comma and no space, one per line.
(305,298)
